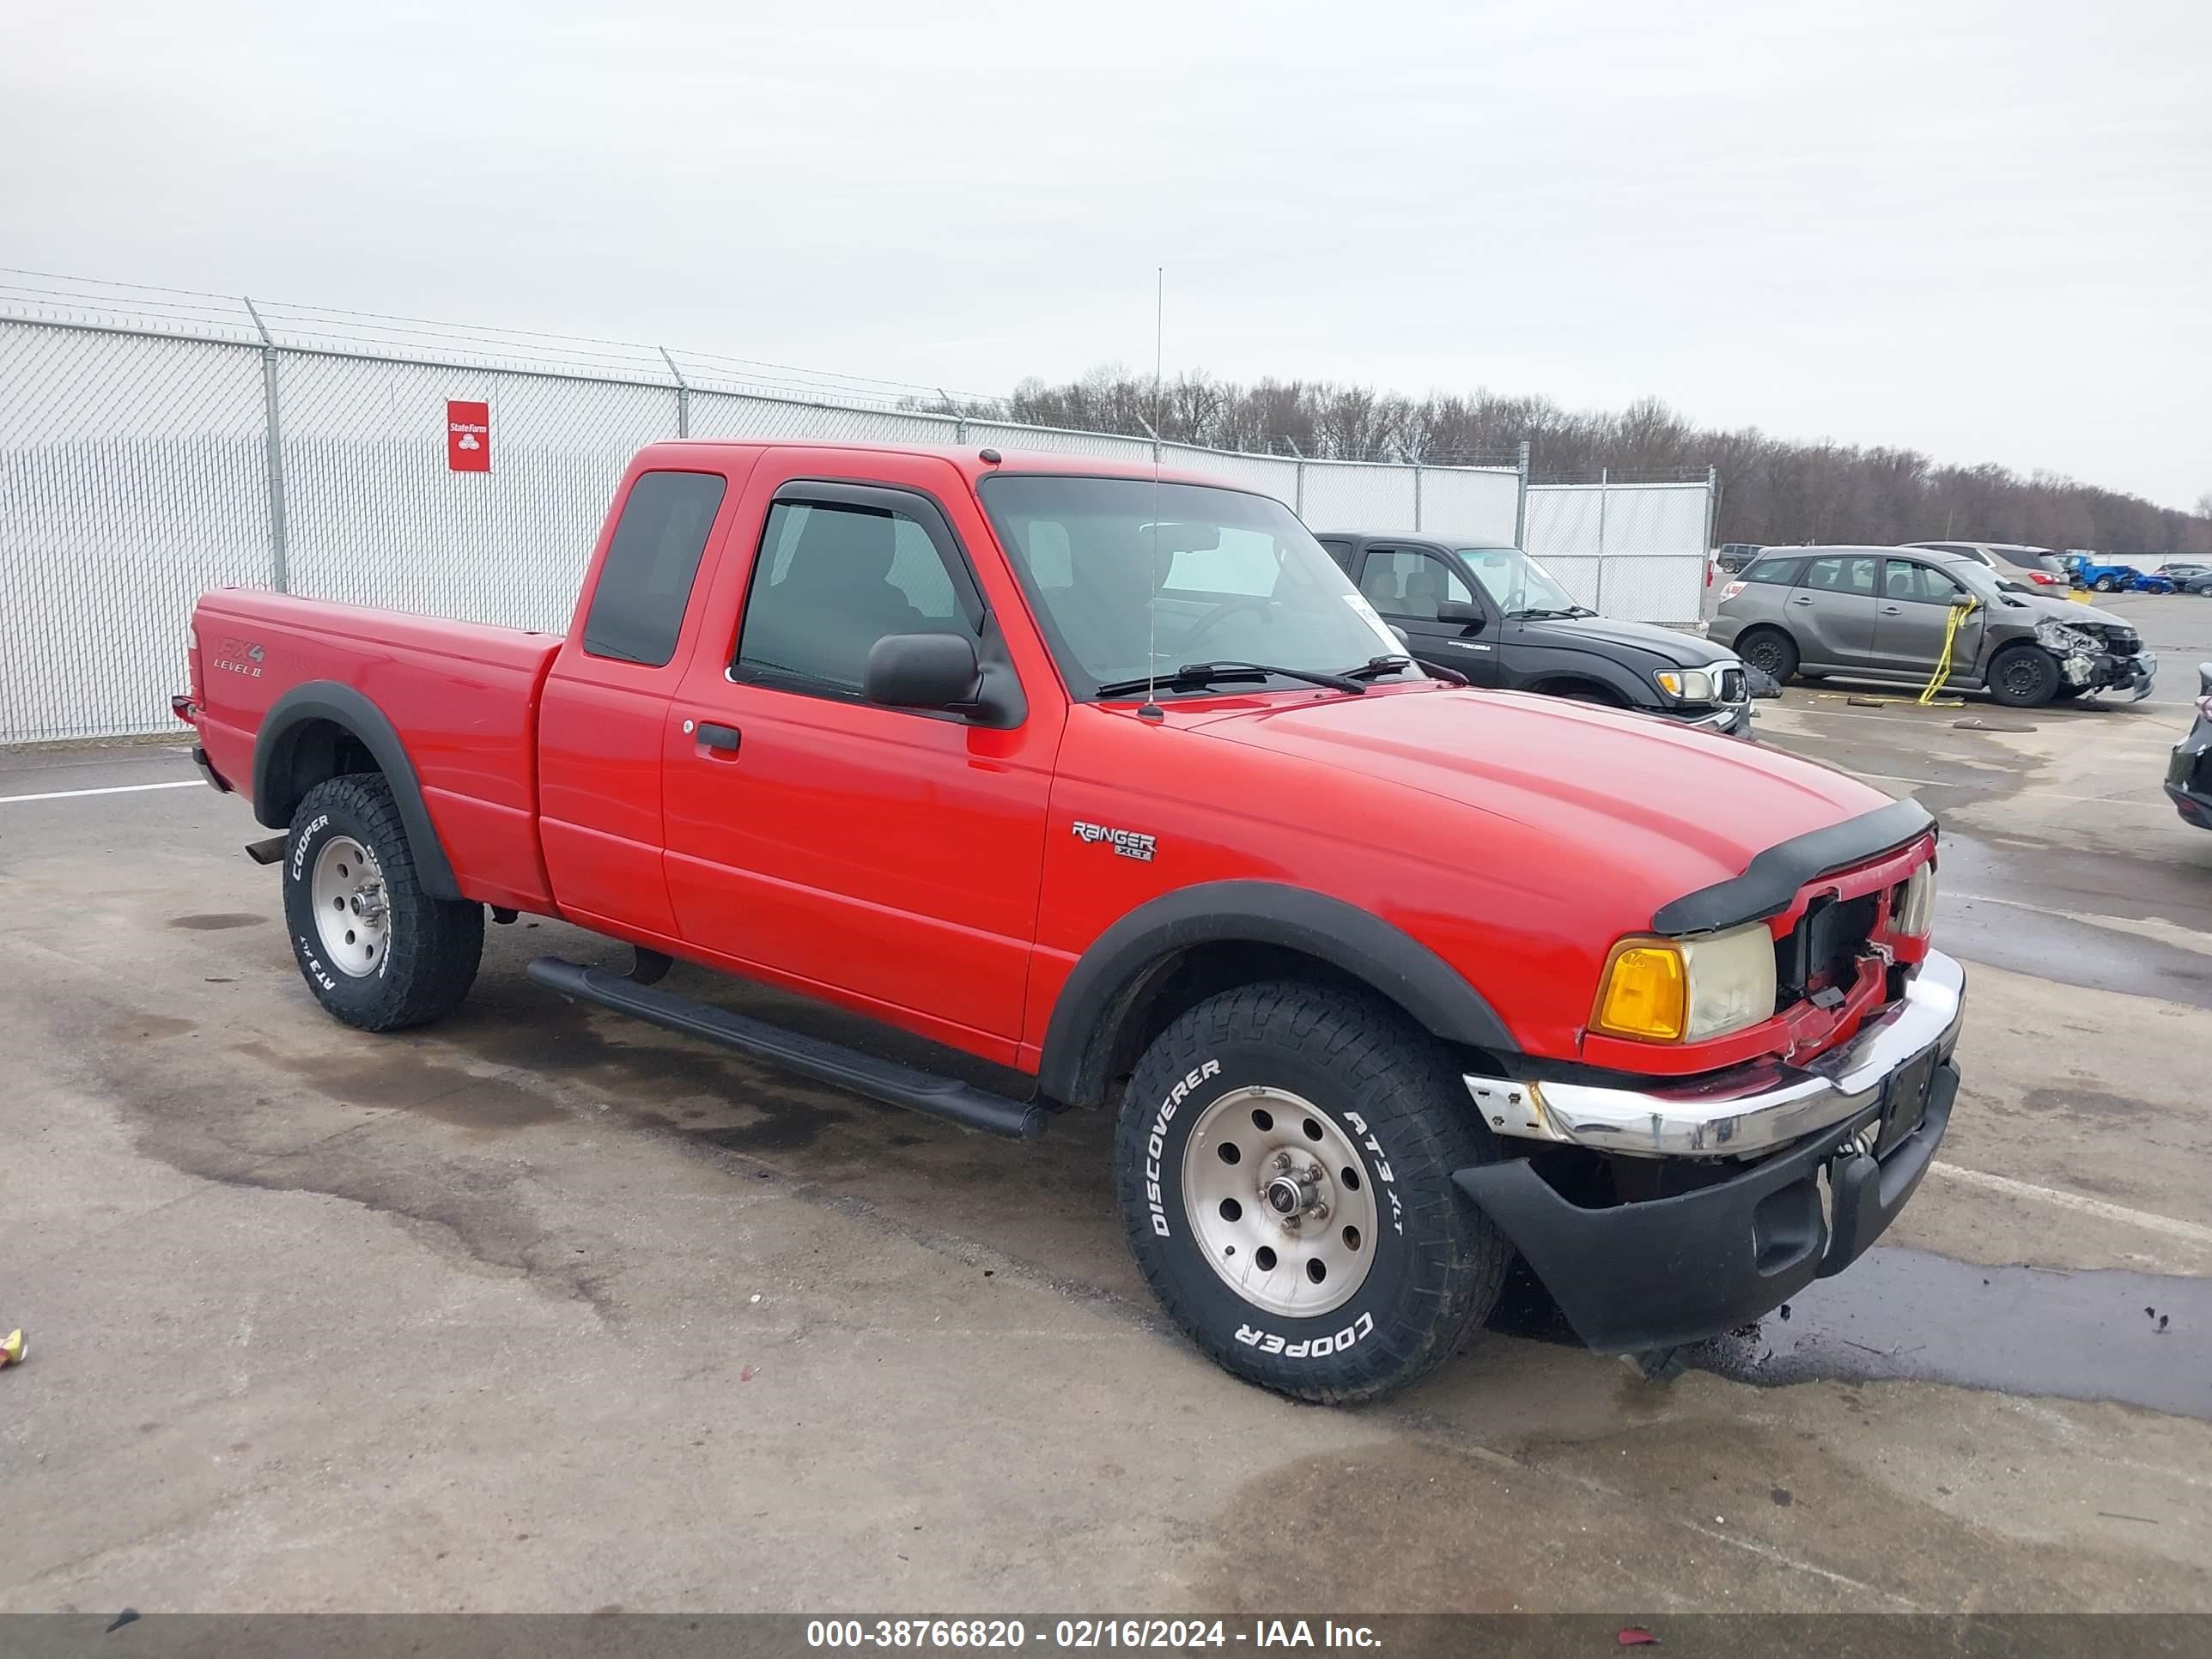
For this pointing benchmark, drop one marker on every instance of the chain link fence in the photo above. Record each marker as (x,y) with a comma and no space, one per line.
(152,448)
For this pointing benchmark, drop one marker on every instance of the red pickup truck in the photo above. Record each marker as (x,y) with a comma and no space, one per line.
(1114,779)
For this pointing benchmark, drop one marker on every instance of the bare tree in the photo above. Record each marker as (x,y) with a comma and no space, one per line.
(1772,490)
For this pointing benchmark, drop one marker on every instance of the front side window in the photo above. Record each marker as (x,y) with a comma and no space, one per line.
(1131,578)
(644,581)
(1918,583)
(1522,587)
(1401,583)
(831,580)
(1841,575)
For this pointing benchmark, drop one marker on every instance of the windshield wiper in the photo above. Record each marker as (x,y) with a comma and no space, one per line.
(1376,667)
(1192,676)
(1540,614)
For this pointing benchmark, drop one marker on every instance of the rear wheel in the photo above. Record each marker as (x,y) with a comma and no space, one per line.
(1285,1158)
(378,951)
(2106,584)
(2023,677)
(1770,650)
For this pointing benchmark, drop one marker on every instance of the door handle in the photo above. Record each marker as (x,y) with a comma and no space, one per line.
(724,738)
(1892,610)
(1801,599)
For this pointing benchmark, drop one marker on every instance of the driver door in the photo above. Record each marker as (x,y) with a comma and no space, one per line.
(1408,585)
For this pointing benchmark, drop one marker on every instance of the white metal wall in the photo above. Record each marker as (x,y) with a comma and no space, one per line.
(135,474)
(1633,551)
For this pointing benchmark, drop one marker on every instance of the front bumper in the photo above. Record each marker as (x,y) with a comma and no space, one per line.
(1746,1109)
(1659,1272)
(1731,720)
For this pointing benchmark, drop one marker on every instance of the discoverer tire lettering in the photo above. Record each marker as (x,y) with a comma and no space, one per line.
(1435,1267)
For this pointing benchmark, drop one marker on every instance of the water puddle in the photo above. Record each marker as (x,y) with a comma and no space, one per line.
(1903,1314)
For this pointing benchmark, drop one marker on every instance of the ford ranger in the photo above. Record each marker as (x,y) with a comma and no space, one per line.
(1113,780)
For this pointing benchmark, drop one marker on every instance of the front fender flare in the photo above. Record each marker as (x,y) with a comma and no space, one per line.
(1100,989)
(290,716)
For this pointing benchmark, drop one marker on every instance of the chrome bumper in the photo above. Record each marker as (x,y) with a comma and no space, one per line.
(1746,1109)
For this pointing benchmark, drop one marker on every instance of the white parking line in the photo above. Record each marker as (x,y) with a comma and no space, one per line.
(118,789)
(2173,1226)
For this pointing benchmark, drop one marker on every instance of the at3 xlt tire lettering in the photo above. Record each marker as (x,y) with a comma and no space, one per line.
(433,945)
(1434,1264)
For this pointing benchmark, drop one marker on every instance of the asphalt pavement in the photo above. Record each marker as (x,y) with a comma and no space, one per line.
(542,1311)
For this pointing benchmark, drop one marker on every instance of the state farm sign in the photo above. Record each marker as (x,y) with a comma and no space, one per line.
(468,437)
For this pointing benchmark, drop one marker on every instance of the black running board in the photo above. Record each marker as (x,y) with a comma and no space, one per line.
(826,1062)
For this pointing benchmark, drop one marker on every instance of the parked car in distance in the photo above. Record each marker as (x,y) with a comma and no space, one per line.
(1883,613)
(2087,570)
(1732,556)
(2188,773)
(1496,617)
(2189,575)
(1094,787)
(2037,566)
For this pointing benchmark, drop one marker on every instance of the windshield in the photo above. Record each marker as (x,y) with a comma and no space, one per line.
(1518,583)
(1236,578)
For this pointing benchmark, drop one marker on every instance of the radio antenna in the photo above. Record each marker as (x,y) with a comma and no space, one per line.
(1151,711)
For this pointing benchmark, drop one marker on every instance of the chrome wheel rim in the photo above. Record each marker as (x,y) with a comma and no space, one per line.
(1279,1201)
(352,917)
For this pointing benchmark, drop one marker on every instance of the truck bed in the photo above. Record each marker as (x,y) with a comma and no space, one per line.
(464,693)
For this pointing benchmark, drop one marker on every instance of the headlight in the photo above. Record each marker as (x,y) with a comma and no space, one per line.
(2063,638)
(1913,911)
(1690,685)
(1666,990)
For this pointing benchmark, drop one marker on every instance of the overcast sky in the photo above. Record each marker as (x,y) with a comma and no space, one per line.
(1981,229)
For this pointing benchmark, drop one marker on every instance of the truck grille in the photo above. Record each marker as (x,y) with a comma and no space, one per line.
(1823,949)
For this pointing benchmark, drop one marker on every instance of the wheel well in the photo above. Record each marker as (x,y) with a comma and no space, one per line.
(1171,985)
(309,753)
(1570,685)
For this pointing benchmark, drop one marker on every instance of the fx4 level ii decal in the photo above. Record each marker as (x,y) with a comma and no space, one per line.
(1128,842)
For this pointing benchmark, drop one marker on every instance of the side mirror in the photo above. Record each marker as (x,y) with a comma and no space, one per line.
(1962,602)
(923,671)
(1460,610)
(2204,677)
(1404,638)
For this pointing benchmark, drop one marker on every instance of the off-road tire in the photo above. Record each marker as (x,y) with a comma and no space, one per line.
(1770,649)
(1437,1263)
(432,945)
(2023,677)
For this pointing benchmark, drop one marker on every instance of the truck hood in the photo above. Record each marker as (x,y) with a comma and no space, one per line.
(1589,633)
(1677,810)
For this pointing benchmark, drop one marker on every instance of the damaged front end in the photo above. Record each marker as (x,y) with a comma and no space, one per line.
(2095,656)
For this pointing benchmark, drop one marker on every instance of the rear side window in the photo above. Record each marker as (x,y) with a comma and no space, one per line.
(637,609)
(1852,575)
(1783,572)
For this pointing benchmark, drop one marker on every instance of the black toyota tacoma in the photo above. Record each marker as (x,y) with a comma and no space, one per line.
(1498,617)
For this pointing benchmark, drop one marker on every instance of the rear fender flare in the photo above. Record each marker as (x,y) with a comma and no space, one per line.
(1101,989)
(275,801)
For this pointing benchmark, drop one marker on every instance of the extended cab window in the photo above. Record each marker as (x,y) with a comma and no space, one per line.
(637,608)
(1404,584)
(832,579)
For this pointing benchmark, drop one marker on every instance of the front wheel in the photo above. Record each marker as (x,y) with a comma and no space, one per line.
(376,949)
(1285,1158)
(2023,677)
(2106,584)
